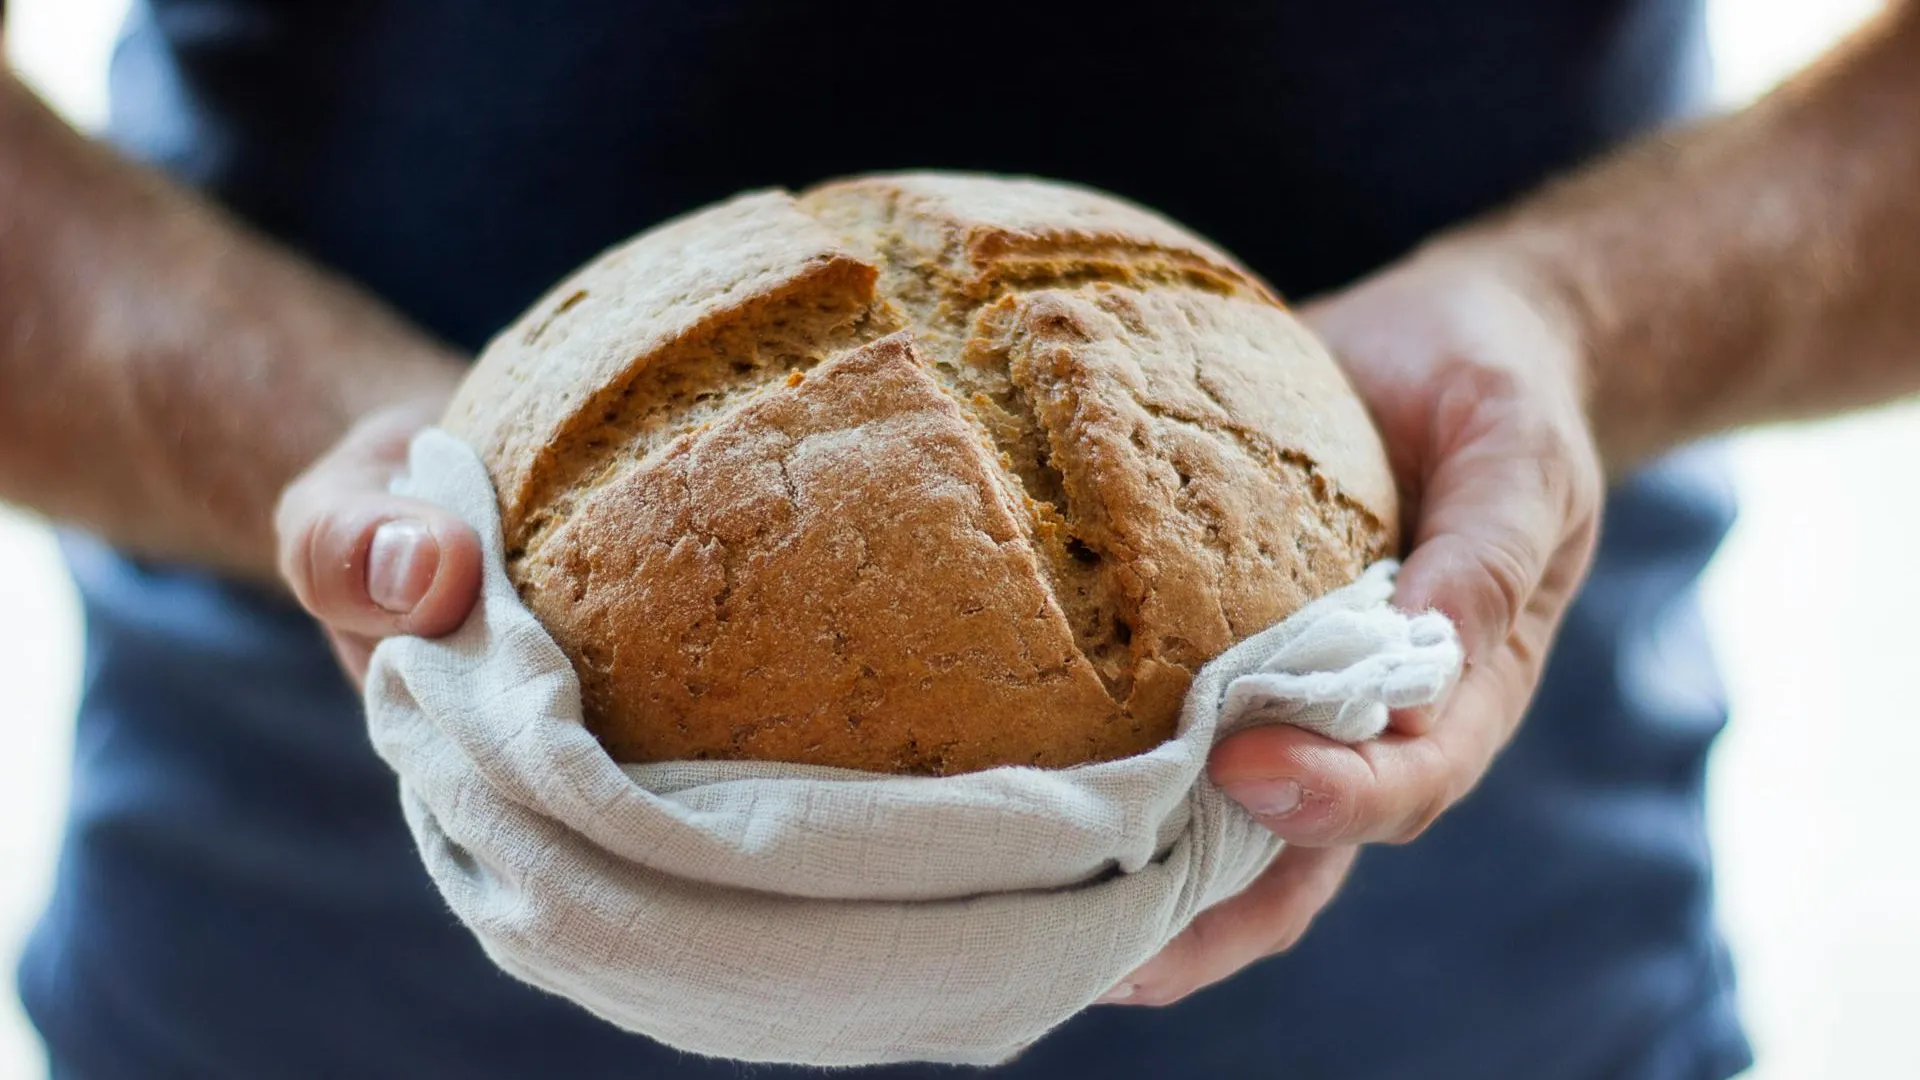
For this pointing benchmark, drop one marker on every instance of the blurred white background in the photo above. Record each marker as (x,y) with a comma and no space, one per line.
(1812,602)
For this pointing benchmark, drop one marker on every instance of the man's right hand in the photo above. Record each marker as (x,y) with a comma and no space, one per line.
(369,564)
(1472,370)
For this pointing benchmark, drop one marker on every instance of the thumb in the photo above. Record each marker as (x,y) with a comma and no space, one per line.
(369,563)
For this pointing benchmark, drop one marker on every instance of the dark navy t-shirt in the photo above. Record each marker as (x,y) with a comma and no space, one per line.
(237,895)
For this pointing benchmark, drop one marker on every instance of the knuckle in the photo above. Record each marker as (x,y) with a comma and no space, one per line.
(1570,467)
(292,512)
(1586,521)
(1504,581)
(1583,537)
(1468,379)
(1424,814)
(326,562)
(1552,440)
(1338,811)
(1438,789)
(1470,399)
(299,545)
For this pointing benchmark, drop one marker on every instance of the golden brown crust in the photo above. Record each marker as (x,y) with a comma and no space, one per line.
(684,294)
(916,473)
(1206,514)
(981,233)
(779,563)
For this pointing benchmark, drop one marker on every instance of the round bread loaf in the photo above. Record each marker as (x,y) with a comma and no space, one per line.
(920,473)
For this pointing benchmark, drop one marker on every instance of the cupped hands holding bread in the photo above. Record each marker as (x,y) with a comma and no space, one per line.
(934,473)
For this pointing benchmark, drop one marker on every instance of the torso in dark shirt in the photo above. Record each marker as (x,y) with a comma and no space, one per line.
(238,897)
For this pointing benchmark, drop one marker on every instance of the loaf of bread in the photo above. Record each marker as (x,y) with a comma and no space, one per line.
(919,473)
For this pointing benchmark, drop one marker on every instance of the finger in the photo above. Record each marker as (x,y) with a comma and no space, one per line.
(1494,511)
(370,563)
(1268,917)
(1314,792)
(378,565)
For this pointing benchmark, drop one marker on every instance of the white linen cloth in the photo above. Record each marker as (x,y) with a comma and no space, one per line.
(777,913)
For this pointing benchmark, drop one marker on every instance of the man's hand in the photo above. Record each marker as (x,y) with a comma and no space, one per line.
(1753,267)
(369,564)
(1475,378)
(165,371)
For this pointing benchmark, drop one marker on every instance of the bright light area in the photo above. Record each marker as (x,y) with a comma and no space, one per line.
(1811,602)
(60,47)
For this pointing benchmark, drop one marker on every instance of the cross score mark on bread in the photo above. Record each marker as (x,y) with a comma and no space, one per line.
(918,473)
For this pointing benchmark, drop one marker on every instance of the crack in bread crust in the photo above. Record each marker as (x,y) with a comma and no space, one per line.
(1134,484)
(796,588)
(946,292)
(707,374)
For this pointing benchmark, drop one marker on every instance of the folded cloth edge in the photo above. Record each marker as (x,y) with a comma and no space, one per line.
(445,781)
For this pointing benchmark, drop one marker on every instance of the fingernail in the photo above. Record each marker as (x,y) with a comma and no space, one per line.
(1267,798)
(400,565)
(1116,995)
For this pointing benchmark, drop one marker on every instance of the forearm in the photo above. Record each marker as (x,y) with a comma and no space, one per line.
(1760,266)
(163,372)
